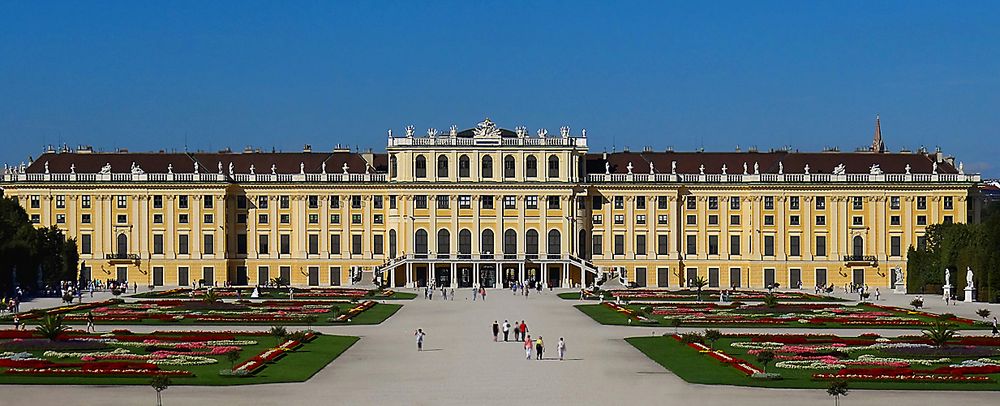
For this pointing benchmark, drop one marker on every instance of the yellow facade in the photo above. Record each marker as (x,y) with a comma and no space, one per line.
(487,205)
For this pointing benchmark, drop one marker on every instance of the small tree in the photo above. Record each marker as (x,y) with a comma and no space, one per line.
(764,358)
(984,313)
(917,304)
(770,300)
(232,357)
(210,296)
(279,333)
(940,333)
(698,282)
(712,336)
(160,384)
(837,389)
(52,327)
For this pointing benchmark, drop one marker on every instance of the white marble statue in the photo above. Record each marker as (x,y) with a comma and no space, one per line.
(136,170)
(745,167)
(564,131)
(232,170)
(542,133)
(46,166)
(840,169)
(72,168)
(907,169)
(968,278)
(390,132)
(629,167)
(607,168)
(274,169)
(725,169)
(756,168)
(583,133)
(947,278)
(409,131)
(875,170)
(651,171)
(345,167)
(521,131)
(220,167)
(807,169)
(253,170)
(106,169)
(673,167)
(195,168)
(899,274)
(255,294)
(781,168)
(934,169)
(961,168)
(701,169)
(323,167)
(302,168)
(453,131)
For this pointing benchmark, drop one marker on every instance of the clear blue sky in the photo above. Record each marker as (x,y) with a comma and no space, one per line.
(156,75)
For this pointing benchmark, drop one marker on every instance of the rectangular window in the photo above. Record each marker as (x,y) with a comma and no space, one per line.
(392,201)
(821,245)
(284,244)
(241,244)
(858,203)
(313,244)
(123,201)
(335,244)
(182,201)
(37,203)
(713,245)
(241,202)
(261,202)
(209,219)
(662,219)
(377,244)
(820,220)
(182,218)
(598,248)
(640,202)
(793,220)
(662,244)
(713,219)
(486,202)
(619,244)
(60,201)
(262,218)
(464,201)
(692,244)
(313,201)
(442,201)
(241,218)
(691,219)
(857,220)
(734,244)
(768,202)
(85,244)
(378,219)
(262,244)
(692,203)
(921,202)
(894,220)
(313,218)
(793,203)
(37,218)
(769,220)
(209,201)
(894,202)
(60,218)
(355,219)
(420,202)
(597,202)
(947,219)
(283,202)
(157,219)
(208,242)
(713,202)
(619,219)
(509,202)
(769,245)
(85,219)
(553,202)
(793,246)
(949,203)
(640,219)
(820,202)
(895,243)
(598,219)
(531,202)
(619,202)
(355,202)
(334,219)
(734,220)
(734,202)
(121,218)
(334,202)
(182,244)
(662,203)
(921,220)
(640,244)
(356,244)
(85,201)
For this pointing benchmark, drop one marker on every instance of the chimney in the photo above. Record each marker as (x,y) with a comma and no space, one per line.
(307,148)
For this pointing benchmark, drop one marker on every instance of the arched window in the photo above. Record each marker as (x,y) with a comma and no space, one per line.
(555,242)
(443,242)
(530,167)
(420,242)
(859,246)
(553,166)
(508,166)
(531,242)
(392,243)
(122,244)
(463,166)
(442,167)
(487,167)
(510,242)
(486,245)
(582,245)
(465,242)
(392,166)
(420,167)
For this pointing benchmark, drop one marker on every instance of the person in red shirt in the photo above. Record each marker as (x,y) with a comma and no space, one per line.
(524,329)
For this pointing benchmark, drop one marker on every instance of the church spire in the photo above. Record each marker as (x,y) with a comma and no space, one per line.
(877,144)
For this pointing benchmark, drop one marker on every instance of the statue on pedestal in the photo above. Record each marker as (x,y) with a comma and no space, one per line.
(969,284)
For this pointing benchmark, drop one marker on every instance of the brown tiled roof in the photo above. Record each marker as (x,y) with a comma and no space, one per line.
(794,162)
(284,162)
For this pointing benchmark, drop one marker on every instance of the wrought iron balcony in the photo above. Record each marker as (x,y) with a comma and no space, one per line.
(122,256)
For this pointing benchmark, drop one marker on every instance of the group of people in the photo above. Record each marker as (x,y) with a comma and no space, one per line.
(521,335)
(524,287)
(445,293)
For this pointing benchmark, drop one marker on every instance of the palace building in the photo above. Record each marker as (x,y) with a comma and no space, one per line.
(488,205)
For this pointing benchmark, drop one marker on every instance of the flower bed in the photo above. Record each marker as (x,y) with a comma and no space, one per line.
(712,295)
(259,361)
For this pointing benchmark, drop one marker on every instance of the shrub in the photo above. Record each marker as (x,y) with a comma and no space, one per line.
(52,327)
(940,333)
(691,338)
(917,304)
(712,336)
(984,313)
(278,332)
(765,357)
(770,300)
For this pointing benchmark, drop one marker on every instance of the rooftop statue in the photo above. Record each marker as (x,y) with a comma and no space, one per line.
(875,170)
(725,169)
(607,168)
(542,133)
(907,169)
(136,170)
(106,169)
(744,167)
(486,129)
(232,170)
(840,169)
(673,167)
(323,167)
(220,167)
(651,171)
(961,168)
(564,131)
(934,169)
(195,168)
(274,169)
(72,168)
(521,131)
(629,167)
(756,168)
(302,168)
(252,171)
(409,131)
(781,168)
(432,132)
(453,131)
(46,166)
(701,169)
(345,167)
(806,169)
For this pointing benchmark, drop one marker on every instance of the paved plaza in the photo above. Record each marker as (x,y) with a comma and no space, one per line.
(461,365)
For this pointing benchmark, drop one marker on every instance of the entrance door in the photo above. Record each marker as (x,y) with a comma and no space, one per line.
(859,277)
(795,278)
(640,277)
(335,276)
(182,276)
(509,276)
(241,276)
(420,276)
(769,278)
(313,276)
(208,276)
(713,277)
(262,275)
(533,275)
(442,276)
(286,275)
(821,277)
(662,277)
(692,274)
(487,276)
(555,276)
(892,278)
(157,276)
(735,280)
(465,277)
(121,274)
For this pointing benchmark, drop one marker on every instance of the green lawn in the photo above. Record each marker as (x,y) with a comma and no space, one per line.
(708,296)
(296,366)
(605,315)
(695,367)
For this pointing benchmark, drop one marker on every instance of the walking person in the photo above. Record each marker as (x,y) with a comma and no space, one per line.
(496,330)
(90,322)
(452,294)
(877,294)
(524,329)
(539,348)
(420,339)
(475,293)
(527,347)
(506,330)
(995,331)
(482,292)
(561,348)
